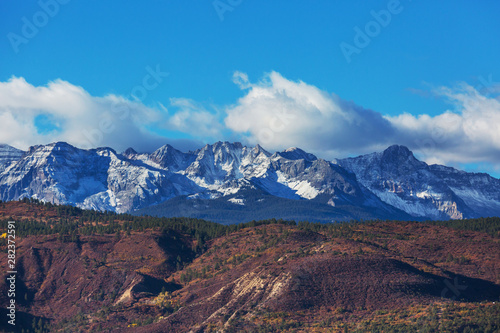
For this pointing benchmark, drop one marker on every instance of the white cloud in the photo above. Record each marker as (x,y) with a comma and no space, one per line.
(85,121)
(468,134)
(241,79)
(280,113)
(193,119)
(275,112)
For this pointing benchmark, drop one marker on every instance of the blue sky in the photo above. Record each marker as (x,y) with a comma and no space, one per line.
(424,64)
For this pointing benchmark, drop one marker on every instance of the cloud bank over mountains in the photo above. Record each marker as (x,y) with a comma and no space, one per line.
(275,112)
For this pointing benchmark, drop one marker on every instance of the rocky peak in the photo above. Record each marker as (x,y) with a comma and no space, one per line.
(164,152)
(398,150)
(170,158)
(221,152)
(400,158)
(32,149)
(9,153)
(129,152)
(397,153)
(259,150)
(222,149)
(226,145)
(104,151)
(295,153)
(60,145)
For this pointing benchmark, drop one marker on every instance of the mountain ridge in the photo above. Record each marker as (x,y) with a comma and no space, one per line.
(389,184)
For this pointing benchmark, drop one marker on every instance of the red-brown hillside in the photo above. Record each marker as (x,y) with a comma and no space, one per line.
(270,277)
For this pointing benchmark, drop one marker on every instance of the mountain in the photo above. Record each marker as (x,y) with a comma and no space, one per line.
(228,182)
(433,191)
(94,179)
(253,204)
(479,191)
(8,155)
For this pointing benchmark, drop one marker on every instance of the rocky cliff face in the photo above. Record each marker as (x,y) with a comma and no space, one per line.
(93,179)
(8,155)
(391,181)
(434,191)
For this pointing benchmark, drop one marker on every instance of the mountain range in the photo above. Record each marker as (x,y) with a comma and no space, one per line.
(228,182)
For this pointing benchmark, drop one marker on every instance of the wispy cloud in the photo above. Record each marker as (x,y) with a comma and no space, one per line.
(469,132)
(192,118)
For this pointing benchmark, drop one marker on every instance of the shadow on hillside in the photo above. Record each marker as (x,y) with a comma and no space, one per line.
(23,321)
(373,284)
(462,288)
(152,286)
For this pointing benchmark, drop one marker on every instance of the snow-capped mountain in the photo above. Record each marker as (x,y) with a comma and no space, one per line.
(434,191)
(8,155)
(225,168)
(479,191)
(93,179)
(390,184)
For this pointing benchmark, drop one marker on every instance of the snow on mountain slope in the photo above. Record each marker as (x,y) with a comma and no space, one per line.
(96,179)
(402,181)
(293,174)
(8,155)
(479,191)
(388,183)
(216,164)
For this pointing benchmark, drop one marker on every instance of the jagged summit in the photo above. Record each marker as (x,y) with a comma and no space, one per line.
(259,150)
(6,150)
(169,158)
(295,153)
(60,144)
(9,154)
(398,150)
(129,151)
(397,153)
(401,160)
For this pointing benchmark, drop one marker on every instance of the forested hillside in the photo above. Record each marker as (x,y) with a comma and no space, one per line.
(115,272)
